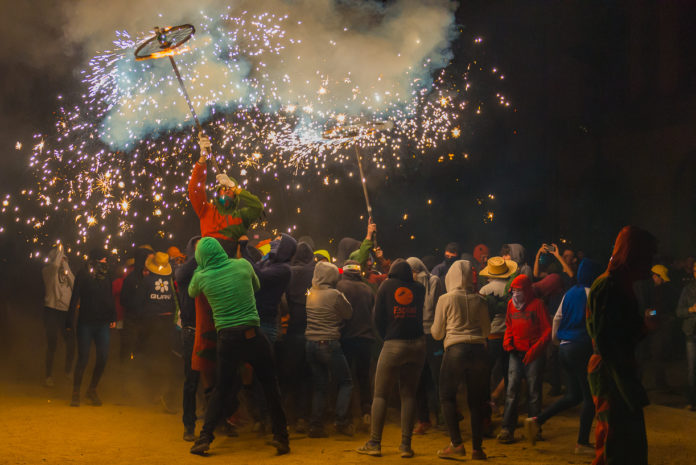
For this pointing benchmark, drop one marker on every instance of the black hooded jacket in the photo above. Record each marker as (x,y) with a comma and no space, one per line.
(274,276)
(92,292)
(362,299)
(346,246)
(302,271)
(399,306)
(183,275)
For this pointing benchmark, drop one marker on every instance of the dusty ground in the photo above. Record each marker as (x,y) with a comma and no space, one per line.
(40,428)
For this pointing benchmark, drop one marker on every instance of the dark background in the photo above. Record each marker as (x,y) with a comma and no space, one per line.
(602,134)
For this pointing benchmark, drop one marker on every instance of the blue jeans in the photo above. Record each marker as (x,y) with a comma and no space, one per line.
(327,357)
(574,357)
(691,361)
(516,371)
(191,378)
(86,333)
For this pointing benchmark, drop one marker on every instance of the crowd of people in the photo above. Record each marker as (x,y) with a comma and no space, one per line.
(272,324)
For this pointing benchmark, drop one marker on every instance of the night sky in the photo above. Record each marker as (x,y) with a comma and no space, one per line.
(601,134)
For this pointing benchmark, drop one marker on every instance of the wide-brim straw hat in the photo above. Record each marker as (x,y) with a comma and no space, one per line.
(158,263)
(498,267)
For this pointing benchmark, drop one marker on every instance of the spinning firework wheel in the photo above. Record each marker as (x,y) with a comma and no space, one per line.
(168,42)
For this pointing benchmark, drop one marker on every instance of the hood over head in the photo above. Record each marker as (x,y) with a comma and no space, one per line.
(588,272)
(525,284)
(421,271)
(139,257)
(400,269)
(481,251)
(346,246)
(460,276)
(351,269)
(191,246)
(307,240)
(285,250)
(517,253)
(325,275)
(550,285)
(210,254)
(632,256)
(303,255)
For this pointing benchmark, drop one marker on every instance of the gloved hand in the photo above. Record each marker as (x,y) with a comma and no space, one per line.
(205,144)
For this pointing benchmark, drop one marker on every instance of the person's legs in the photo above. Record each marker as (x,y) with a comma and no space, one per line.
(318,356)
(409,374)
(477,379)
(451,375)
(514,376)
(50,320)
(386,376)
(534,372)
(69,339)
(84,339)
(258,353)
(191,376)
(434,353)
(340,372)
(691,369)
(573,395)
(101,337)
(587,412)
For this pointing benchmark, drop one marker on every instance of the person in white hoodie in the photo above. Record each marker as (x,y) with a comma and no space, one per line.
(461,318)
(58,282)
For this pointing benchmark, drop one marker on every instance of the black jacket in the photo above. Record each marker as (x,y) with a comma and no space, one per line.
(93,295)
(399,306)
(134,291)
(302,271)
(362,299)
(183,275)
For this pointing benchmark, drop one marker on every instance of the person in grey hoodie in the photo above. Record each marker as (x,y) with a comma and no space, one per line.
(58,283)
(517,253)
(461,319)
(434,288)
(327,308)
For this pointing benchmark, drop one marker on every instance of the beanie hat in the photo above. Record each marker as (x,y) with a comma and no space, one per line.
(661,271)
(351,265)
(452,247)
(323,254)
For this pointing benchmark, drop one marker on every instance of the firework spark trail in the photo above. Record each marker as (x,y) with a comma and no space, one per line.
(105,170)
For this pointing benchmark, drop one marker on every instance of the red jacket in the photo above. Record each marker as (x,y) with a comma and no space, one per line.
(527,330)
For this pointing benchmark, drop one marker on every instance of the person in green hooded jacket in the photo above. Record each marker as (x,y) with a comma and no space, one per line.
(229,285)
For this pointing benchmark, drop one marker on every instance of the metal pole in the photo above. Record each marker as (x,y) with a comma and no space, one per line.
(363,181)
(190,105)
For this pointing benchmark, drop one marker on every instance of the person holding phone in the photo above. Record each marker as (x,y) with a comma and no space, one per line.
(550,250)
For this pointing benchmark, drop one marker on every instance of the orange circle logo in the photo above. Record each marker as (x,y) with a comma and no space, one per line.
(403,296)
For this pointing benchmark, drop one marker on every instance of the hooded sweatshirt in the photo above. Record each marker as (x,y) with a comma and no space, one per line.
(92,294)
(433,290)
(327,307)
(497,297)
(569,322)
(228,284)
(527,328)
(461,315)
(518,254)
(134,290)
(346,246)
(301,274)
(274,275)
(217,221)
(399,305)
(58,280)
(362,300)
(183,275)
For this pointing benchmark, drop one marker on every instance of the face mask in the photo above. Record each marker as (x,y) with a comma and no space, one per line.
(450,260)
(223,200)
(518,299)
(100,269)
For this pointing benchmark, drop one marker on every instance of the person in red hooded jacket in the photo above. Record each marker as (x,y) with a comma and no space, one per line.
(527,333)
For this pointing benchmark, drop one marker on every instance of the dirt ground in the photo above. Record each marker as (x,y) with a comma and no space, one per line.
(41,428)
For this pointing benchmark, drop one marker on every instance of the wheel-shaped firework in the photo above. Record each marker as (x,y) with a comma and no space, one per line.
(168,42)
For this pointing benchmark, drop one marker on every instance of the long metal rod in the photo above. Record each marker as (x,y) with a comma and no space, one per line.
(190,105)
(363,181)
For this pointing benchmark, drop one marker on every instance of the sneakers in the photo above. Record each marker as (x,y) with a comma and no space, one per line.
(370,448)
(533,429)
(347,429)
(189,434)
(49,382)
(93,398)
(422,427)
(453,453)
(478,454)
(505,436)
(282,447)
(75,402)
(317,432)
(406,451)
(200,447)
(301,426)
(584,449)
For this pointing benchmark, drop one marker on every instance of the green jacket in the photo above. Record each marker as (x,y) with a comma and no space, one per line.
(228,284)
